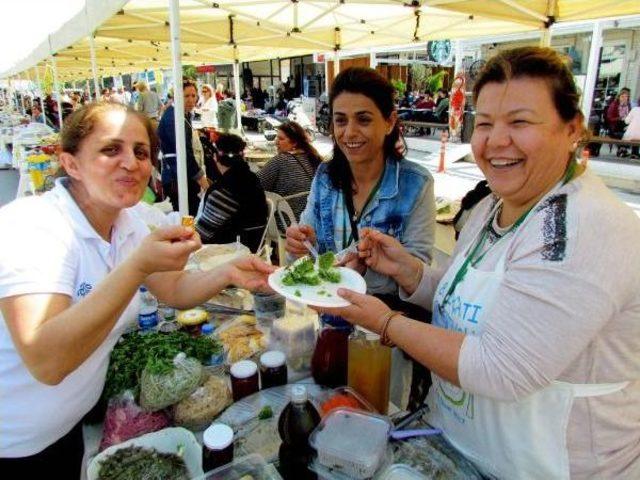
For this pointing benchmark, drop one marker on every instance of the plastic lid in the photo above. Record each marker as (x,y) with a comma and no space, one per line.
(272,359)
(143,289)
(367,333)
(218,436)
(207,329)
(298,393)
(244,369)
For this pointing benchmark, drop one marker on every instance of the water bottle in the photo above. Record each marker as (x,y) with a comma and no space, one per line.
(298,419)
(148,315)
(214,364)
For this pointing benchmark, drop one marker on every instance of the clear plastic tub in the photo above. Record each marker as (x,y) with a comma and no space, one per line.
(400,471)
(351,441)
(252,466)
(340,397)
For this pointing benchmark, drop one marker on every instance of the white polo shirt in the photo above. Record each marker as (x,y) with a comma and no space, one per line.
(47,245)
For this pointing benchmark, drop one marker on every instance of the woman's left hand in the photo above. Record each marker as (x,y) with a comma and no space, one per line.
(365,310)
(249,272)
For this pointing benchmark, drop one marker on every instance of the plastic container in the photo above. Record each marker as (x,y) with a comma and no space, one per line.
(330,356)
(369,368)
(218,446)
(341,397)
(400,471)
(169,440)
(268,307)
(244,379)
(295,336)
(352,442)
(273,369)
(251,466)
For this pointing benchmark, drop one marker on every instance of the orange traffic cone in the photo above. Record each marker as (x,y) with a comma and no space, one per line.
(444,137)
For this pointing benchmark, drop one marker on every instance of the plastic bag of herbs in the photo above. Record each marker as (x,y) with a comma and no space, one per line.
(134,352)
(125,419)
(162,385)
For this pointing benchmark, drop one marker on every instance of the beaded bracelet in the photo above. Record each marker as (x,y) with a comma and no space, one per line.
(384,336)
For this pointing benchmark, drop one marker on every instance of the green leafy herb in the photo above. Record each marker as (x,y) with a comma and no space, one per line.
(265,412)
(143,463)
(303,271)
(156,351)
(297,293)
(326,261)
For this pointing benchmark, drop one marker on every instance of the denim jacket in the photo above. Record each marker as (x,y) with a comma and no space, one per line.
(404,207)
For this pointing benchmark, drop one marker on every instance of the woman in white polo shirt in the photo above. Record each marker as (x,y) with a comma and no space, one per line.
(71,262)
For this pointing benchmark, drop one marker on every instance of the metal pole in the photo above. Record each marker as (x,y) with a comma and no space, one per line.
(23,106)
(336,63)
(326,74)
(178,107)
(236,85)
(39,85)
(545,38)
(94,67)
(592,69)
(373,61)
(458,57)
(56,88)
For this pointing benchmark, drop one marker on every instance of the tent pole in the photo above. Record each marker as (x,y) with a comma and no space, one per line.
(39,89)
(178,107)
(373,61)
(236,85)
(56,88)
(94,67)
(23,107)
(326,74)
(592,69)
(336,63)
(545,38)
(459,56)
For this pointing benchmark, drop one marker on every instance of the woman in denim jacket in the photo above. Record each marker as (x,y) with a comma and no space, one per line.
(368,177)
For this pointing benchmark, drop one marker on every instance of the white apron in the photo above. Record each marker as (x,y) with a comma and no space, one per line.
(524,439)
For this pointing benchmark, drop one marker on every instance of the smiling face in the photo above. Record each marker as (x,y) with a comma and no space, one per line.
(190,98)
(359,128)
(113,163)
(520,142)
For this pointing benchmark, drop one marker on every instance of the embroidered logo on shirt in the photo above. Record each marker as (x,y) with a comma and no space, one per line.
(84,289)
(554,230)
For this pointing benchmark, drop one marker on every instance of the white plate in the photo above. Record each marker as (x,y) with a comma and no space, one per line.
(309,293)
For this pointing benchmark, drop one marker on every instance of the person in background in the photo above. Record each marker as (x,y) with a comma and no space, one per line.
(36,113)
(368,184)
(149,103)
(125,94)
(209,107)
(220,92)
(106,95)
(133,101)
(69,280)
(535,341)
(616,112)
(292,169)
(116,96)
(633,130)
(197,179)
(235,204)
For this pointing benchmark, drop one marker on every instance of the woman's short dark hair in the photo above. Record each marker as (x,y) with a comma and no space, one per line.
(299,137)
(79,125)
(187,82)
(534,62)
(367,82)
(230,149)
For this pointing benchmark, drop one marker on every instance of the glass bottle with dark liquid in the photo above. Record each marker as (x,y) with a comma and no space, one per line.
(298,419)
(329,361)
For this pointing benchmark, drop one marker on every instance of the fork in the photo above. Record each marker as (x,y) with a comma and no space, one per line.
(340,255)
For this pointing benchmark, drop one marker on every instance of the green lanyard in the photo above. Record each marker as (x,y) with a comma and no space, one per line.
(471,260)
(350,212)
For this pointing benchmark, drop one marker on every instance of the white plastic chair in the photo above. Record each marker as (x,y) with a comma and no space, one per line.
(271,208)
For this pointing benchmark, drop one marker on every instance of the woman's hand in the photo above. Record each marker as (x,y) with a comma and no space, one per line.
(353,261)
(365,310)
(296,234)
(250,273)
(386,255)
(165,249)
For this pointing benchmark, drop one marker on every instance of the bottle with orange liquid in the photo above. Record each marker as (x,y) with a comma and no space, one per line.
(369,368)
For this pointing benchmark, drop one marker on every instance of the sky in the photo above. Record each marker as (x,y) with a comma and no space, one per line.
(24,24)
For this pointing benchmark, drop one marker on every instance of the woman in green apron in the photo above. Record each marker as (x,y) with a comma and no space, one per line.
(535,341)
